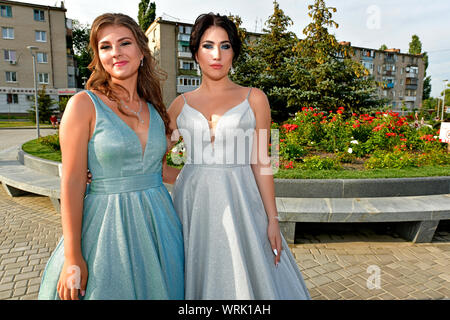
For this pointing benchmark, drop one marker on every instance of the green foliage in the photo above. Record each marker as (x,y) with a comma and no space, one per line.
(314,72)
(319,163)
(263,62)
(415,47)
(146,13)
(46,107)
(63,103)
(82,54)
(51,141)
(434,158)
(396,159)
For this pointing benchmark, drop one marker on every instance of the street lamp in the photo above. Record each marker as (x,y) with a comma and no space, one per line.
(32,48)
(443,101)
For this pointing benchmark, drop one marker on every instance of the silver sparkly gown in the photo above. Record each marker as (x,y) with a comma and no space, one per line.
(227,253)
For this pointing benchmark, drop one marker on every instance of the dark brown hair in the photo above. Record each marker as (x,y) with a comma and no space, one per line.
(149,76)
(206,20)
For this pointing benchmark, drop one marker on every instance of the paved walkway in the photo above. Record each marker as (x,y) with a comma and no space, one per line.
(334,262)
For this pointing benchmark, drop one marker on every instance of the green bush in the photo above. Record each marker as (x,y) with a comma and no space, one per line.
(433,158)
(52,141)
(318,163)
(388,160)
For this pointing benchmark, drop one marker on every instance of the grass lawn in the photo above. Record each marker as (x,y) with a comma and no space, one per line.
(41,151)
(14,124)
(428,171)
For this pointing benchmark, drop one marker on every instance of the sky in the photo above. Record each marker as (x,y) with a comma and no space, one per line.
(364,23)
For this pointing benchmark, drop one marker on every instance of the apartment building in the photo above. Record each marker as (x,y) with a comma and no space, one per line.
(48,29)
(169,44)
(401,74)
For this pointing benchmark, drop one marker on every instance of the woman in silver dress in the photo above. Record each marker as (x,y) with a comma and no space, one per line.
(224,194)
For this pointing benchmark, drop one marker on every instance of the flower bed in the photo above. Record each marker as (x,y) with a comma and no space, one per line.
(318,140)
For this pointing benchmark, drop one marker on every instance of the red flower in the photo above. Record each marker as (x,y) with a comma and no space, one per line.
(290,127)
(290,165)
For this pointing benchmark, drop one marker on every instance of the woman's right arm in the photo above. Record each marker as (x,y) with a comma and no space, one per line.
(74,136)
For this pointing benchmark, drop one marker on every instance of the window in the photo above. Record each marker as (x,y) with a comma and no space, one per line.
(7,33)
(188,66)
(11,76)
(43,78)
(5,11)
(41,36)
(42,57)
(9,55)
(39,15)
(12,98)
(185,29)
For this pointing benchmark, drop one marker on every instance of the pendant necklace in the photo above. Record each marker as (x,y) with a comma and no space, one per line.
(137,113)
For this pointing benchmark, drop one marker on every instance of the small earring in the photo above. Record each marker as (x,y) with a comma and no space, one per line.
(142,62)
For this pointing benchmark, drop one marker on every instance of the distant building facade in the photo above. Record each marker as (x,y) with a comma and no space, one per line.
(48,29)
(402,74)
(169,43)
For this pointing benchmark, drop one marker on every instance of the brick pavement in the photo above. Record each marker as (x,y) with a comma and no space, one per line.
(334,263)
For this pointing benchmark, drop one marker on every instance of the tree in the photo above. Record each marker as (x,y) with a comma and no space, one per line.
(324,75)
(263,62)
(383,47)
(82,52)
(46,106)
(146,13)
(415,47)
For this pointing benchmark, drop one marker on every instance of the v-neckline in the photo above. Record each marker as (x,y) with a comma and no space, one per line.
(218,121)
(141,148)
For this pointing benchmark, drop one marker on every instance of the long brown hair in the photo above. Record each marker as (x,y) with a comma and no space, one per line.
(149,75)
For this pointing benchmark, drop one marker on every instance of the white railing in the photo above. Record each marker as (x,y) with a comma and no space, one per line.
(182,54)
(409,98)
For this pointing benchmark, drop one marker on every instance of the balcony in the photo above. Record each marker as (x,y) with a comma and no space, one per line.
(188,72)
(411,75)
(390,60)
(184,37)
(410,99)
(389,73)
(390,85)
(411,87)
(183,54)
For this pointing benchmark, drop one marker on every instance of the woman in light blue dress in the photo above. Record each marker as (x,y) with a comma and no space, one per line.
(224,194)
(121,238)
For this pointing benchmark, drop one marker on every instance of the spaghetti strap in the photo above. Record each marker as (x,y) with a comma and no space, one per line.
(185,101)
(249,91)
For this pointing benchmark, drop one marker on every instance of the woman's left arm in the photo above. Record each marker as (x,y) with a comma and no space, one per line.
(262,168)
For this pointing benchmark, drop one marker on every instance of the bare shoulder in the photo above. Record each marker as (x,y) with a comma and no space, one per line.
(258,101)
(79,107)
(175,107)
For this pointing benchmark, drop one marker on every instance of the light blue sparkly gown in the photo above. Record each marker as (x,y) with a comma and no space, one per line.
(131,236)
(227,252)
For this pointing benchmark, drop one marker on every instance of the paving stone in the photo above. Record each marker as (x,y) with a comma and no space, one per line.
(334,265)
